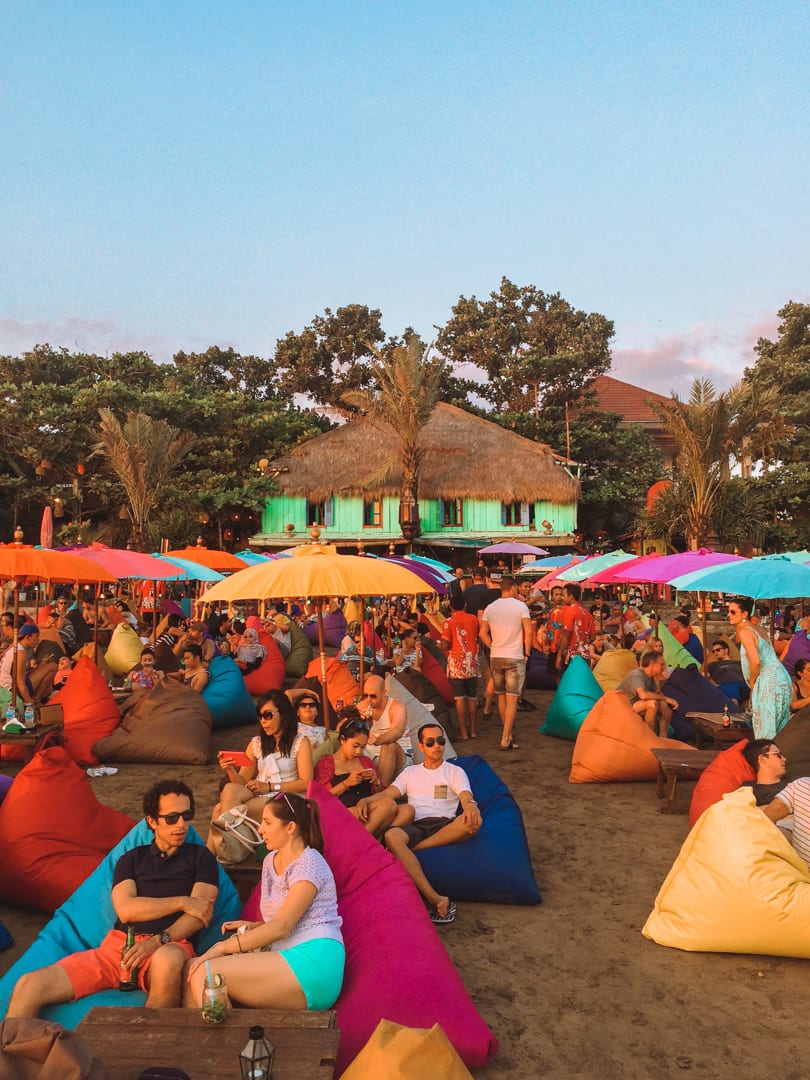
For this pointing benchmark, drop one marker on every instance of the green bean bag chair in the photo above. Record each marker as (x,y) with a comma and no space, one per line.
(675,654)
(576,695)
(300,654)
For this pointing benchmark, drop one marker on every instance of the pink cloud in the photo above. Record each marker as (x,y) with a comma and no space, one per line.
(100,336)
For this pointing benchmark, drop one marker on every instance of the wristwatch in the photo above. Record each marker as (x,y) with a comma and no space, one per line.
(165,938)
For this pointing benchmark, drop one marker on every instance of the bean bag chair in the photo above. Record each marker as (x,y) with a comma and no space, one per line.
(416,713)
(50,644)
(425,692)
(170,724)
(737,886)
(798,649)
(794,742)
(494,866)
(5,784)
(165,660)
(53,831)
(437,674)
(124,651)
(90,710)
(334,629)
(611,667)
(85,918)
(340,686)
(675,654)
(6,940)
(226,695)
(614,744)
(395,1050)
(576,695)
(396,965)
(269,675)
(728,770)
(96,657)
(41,678)
(538,675)
(694,693)
(678,631)
(300,653)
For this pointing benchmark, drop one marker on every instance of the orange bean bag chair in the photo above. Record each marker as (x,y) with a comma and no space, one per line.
(726,773)
(614,744)
(340,686)
(612,666)
(269,675)
(53,831)
(91,712)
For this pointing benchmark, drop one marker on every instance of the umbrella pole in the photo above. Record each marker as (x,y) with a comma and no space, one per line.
(325,706)
(772,605)
(705,637)
(15,641)
(362,675)
(95,631)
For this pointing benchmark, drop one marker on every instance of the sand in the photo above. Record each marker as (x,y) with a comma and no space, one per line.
(571,988)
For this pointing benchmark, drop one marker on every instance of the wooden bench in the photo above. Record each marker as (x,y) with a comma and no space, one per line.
(30,738)
(675,765)
(128,1039)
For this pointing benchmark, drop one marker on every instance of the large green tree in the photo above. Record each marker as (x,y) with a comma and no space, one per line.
(533,349)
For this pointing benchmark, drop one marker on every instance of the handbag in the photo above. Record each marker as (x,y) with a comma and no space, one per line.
(235,835)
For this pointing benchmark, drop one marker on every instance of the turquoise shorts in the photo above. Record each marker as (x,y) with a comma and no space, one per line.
(318,967)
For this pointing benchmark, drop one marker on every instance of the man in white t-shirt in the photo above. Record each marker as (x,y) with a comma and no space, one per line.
(506,628)
(434,790)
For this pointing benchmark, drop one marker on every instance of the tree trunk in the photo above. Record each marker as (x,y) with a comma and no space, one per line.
(408,501)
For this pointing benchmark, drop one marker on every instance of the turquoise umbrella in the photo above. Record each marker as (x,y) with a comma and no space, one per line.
(195,571)
(550,563)
(761,579)
(581,571)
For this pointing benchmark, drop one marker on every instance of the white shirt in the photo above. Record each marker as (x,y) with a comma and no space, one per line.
(433,792)
(505,619)
(796,797)
(6,664)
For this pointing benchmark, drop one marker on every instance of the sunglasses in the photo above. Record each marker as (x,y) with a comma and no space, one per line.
(373,697)
(355,725)
(268,714)
(440,739)
(775,753)
(307,705)
(282,795)
(174,817)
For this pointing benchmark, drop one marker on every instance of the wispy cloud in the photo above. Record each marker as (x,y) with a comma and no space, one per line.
(100,336)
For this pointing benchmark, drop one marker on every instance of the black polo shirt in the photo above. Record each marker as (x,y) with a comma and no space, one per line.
(158,876)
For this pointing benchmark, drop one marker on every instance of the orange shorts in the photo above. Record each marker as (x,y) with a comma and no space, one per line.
(100,969)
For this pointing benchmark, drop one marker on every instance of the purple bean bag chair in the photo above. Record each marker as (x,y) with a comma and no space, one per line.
(694,693)
(334,630)
(5,784)
(798,649)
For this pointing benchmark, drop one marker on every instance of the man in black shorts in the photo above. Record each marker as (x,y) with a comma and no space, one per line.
(434,791)
(165,890)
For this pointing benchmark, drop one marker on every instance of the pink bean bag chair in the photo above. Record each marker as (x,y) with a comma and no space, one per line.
(396,965)
(614,744)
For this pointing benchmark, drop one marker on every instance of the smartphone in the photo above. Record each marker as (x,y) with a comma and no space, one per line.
(240,759)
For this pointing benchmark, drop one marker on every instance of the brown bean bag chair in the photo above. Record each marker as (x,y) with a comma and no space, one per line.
(53,831)
(41,678)
(614,744)
(50,644)
(165,660)
(91,711)
(269,675)
(794,742)
(170,724)
(612,667)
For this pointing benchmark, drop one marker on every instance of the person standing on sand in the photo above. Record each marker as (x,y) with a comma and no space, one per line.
(506,629)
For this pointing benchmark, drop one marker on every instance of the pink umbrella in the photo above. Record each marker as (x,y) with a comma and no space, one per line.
(547,582)
(662,571)
(46,528)
(130,564)
(609,574)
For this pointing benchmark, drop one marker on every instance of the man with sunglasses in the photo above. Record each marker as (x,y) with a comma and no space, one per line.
(434,790)
(389,741)
(165,890)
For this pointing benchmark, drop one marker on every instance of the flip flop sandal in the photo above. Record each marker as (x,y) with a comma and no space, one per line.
(510,746)
(440,920)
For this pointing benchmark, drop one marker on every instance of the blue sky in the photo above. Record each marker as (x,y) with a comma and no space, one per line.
(176,175)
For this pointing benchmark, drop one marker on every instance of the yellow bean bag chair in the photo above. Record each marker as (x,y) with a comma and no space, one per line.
(612,667)
(737,886)
(124,651)
(615,744)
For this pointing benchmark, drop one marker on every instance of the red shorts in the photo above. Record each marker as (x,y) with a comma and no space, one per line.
(100,969)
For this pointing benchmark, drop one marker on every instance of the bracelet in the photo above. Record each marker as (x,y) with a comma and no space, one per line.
(239,942)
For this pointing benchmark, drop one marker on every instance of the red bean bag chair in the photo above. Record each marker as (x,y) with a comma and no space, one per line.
(405,974)
(91,712)
(433,670)
(53,831)
(614,744)
(726,773)
(340,686)
(269,675)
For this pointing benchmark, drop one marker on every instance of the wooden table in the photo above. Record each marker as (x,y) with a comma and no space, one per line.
(675,765)
(245,876)
(710,725)
(127,1039)
(30,738)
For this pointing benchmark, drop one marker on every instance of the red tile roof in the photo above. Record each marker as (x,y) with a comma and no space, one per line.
(628,401)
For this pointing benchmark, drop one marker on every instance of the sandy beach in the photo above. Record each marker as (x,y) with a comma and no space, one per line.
(571,988)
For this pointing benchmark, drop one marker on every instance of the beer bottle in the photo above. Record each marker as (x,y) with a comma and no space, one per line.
(127,979)
(726,717)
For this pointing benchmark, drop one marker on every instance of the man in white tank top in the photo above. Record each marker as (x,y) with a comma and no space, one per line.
(389,741)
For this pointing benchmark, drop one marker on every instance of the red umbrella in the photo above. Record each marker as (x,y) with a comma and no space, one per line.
(46,528)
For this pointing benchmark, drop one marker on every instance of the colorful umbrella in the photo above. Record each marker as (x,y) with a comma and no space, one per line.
(194,571)
(435,580)
(221,561)
(512,547)
(252,558)
(437,564)
(131,564)
(553,562)
(46,528)
(608,575)
(761,579)
(662,571)
(30,564)
(585,570)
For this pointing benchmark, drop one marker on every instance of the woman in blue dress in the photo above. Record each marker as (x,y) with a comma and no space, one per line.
(771,688)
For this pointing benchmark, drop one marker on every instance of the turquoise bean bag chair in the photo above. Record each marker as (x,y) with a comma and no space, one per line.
(83,920)
(576,695)
(494,866)
(226,695)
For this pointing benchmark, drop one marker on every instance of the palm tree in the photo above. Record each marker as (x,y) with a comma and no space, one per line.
(142,453)
(406,388)
(711,431)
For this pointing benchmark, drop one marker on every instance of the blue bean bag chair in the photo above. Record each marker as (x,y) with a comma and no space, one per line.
(493,867)
(6,940)
(798,649)
(226,695)
(538,677)
(693,693)
(334,630)
(576,695)
(83,920)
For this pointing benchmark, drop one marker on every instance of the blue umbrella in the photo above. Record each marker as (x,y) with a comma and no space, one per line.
(252,558)
(550,563)
(596,564)
(438,565)
(761,579)
(195,571)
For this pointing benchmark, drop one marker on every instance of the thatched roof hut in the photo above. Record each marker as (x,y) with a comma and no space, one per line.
(463,456)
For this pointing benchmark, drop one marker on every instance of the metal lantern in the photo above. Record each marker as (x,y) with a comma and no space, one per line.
(256,1060)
